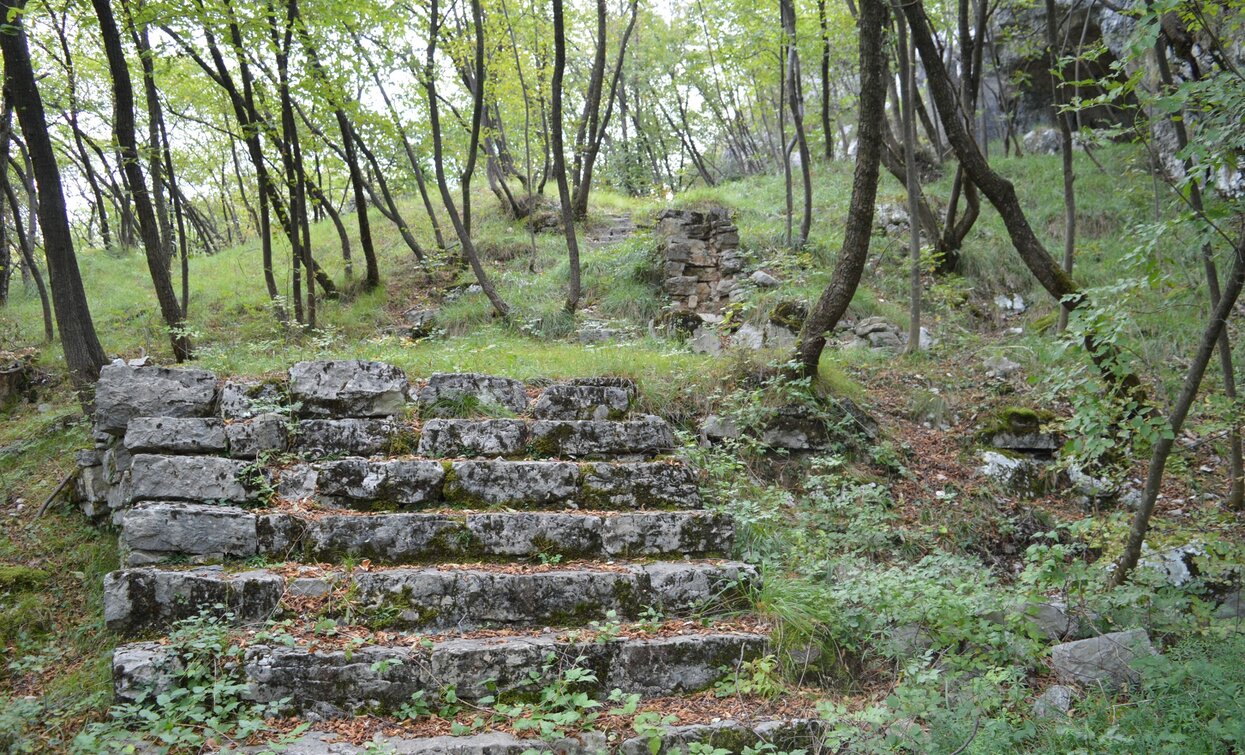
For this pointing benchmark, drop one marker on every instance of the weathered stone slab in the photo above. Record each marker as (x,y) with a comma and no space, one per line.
(175,435)
(681,664)
(345,437)
(264,433)
(334,683)
(518,484)
(125,392)
(410,538)
(189,478)
(141,599)
(659,532)
(701,586)
(157,531)
(348,388)
(456,394)
(398,482)
(1105,660)
(244,398)
(463,599)
(444,438)
(652,485)
(782,736)
(386,538)
(647,436)
(585,402)
(528,534)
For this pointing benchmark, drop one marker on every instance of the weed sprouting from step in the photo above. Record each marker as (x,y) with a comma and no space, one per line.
(198,699)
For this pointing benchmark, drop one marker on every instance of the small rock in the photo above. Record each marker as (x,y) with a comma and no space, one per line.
(1232,607)
(1105,660)
(748,337)
(1000,367)
(1011,304)
(1055,702)
(706,341)
(764,279)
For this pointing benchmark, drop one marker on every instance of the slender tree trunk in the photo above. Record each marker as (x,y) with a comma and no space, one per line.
(859,228)
(795,100)
(906,55)
(1180,410)
(434,118)
(1002,194)
(826,131)
(83,354)
(1065,149)
(388,206)
(559,153)
(127,143)
(1236,485)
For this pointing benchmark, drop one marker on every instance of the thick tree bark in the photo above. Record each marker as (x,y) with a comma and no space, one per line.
(127,144)
(559,153)
(855,250)
(83,354)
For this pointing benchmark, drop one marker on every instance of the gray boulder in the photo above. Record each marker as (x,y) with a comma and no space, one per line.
(646,436)
(653,485)
(350,388)
(244,398)
(595,402)
(1232,607)
(125,392)
(473,437)
(175,435)
(449,394)
(265,433)
(158,531)
(359,483)
(189,478)
(1055,702)
(1106,660)
(142,599)
(517,484)
(351,436)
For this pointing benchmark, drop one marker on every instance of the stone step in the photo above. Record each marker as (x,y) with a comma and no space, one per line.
(319,680)
(639,438)
(785,735)
(158,531)
(432,599)
(483,484)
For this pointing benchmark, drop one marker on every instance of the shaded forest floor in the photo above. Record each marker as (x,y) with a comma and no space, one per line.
(856,543)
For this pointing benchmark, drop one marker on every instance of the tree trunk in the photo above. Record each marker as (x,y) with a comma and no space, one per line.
(795,100)
(1236,485)
(127,144)
(434,118)
(559,153)
(1188,392)
(859,228)
(1065,149)
(906,55)
(1002,194)
(83,355)
(826,132)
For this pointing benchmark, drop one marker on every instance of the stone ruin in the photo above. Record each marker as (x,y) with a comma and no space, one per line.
(443,507)
(702,259)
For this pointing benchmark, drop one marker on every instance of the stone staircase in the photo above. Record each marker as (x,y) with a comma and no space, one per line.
(463,549)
